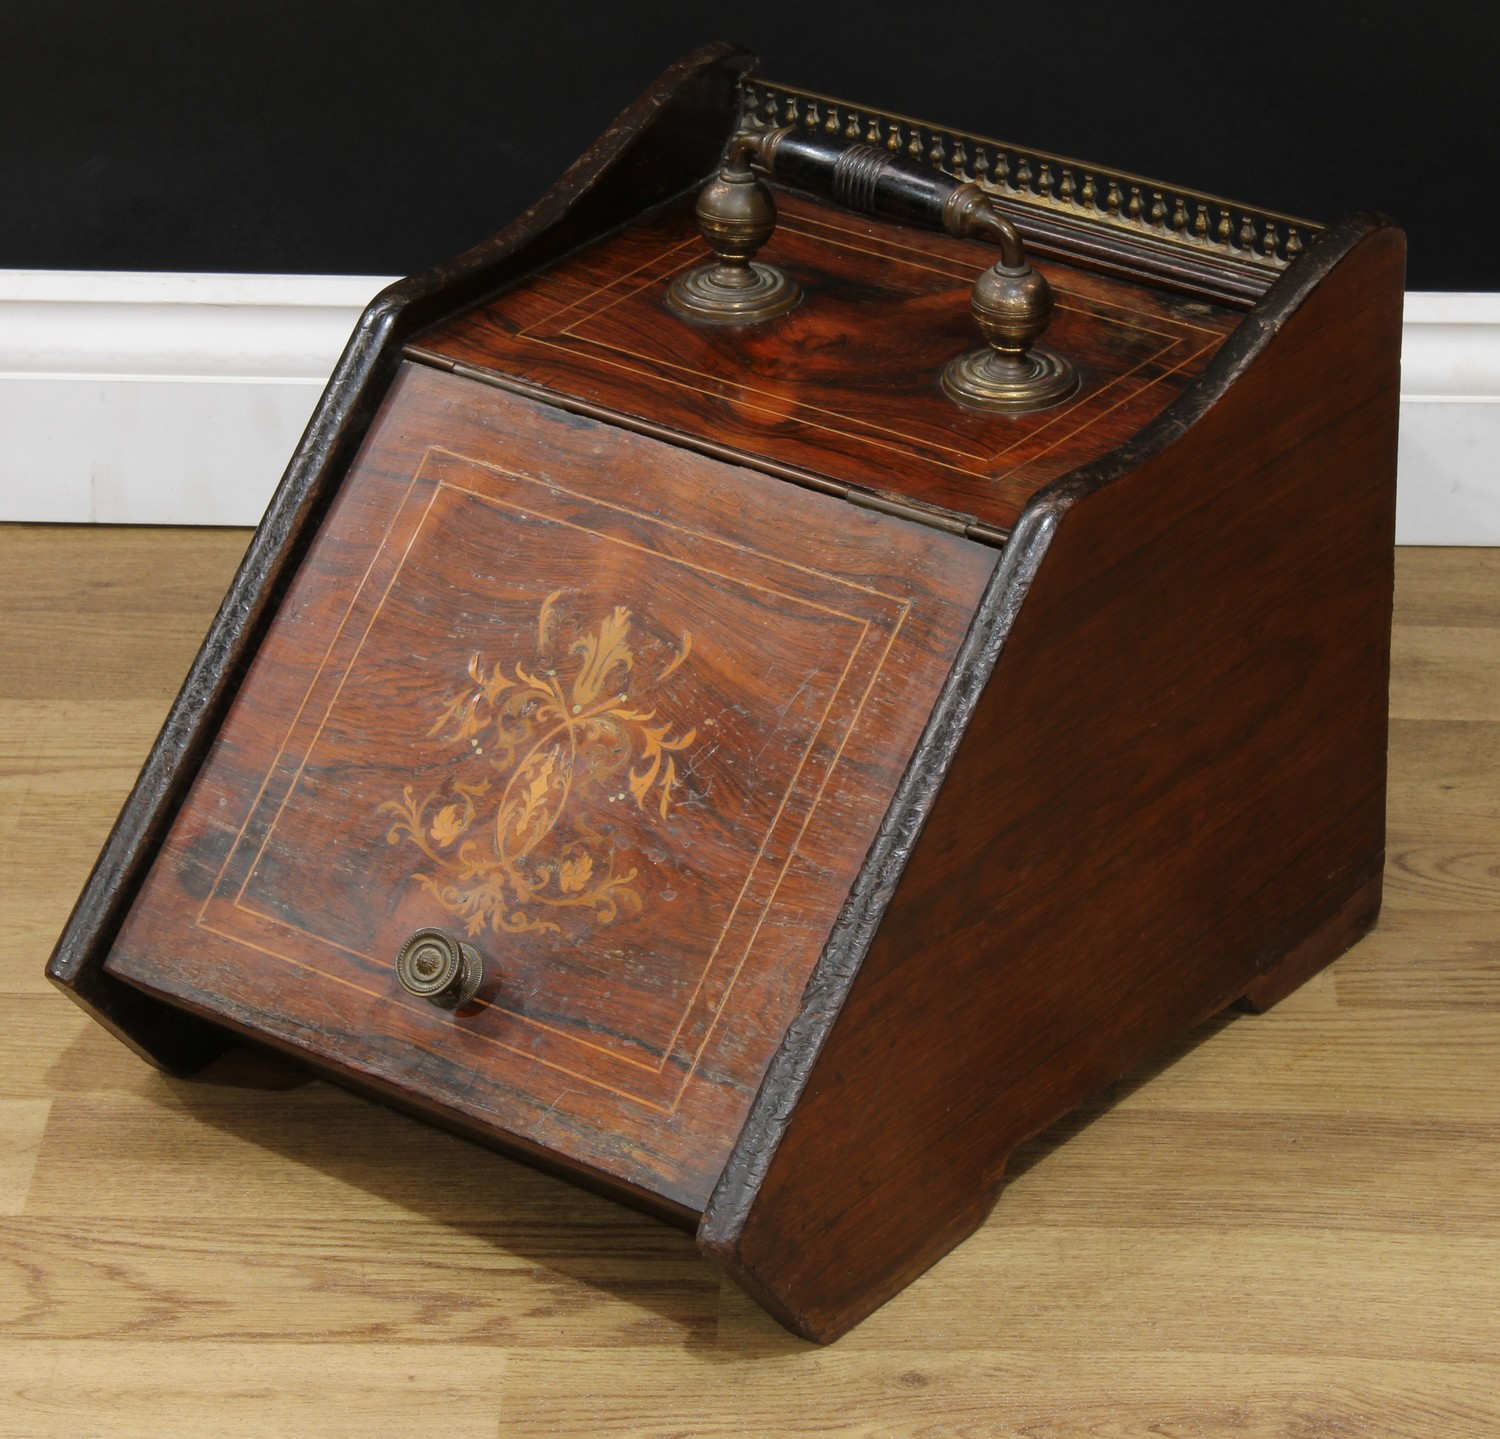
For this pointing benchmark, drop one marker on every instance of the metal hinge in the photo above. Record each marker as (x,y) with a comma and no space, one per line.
(929,515)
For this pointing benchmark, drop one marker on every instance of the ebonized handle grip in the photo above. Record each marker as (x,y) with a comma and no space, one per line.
(872,181)
(891,187)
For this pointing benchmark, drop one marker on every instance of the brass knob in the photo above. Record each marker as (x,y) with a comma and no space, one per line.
(434,966)
(1011,304)
(736,215)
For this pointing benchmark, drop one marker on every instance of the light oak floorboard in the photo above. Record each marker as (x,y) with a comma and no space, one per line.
(1286,1227)
(133,1389)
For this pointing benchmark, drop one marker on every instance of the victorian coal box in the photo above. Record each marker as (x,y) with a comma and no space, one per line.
(767,682)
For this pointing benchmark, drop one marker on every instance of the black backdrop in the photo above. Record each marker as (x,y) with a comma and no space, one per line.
(376,138)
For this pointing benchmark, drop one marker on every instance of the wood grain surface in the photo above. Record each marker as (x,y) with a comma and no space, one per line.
(885,307)
(1170,796)
(1287,1226)
(625,717)
(658,145)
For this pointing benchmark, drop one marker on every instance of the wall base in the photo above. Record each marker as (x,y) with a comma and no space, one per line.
(176,399)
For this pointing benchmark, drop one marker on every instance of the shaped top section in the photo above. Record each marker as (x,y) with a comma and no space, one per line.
(847,386)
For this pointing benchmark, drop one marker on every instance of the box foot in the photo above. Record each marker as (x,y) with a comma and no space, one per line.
(1343,928)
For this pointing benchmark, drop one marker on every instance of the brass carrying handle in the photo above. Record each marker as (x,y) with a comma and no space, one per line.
(1011,302)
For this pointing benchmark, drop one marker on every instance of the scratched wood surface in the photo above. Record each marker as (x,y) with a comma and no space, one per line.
(1288,1226)
(634,749)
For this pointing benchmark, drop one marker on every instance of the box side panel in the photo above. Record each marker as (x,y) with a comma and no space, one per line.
(1173,782)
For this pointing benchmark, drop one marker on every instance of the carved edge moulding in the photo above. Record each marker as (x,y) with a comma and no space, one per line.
(1151,783)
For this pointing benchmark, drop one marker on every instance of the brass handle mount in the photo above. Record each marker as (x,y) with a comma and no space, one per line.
(736,215)
(1011,302)
(1012,305)
(436,967)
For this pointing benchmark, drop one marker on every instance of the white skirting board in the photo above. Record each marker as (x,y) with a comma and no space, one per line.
(160,399)
(177,399)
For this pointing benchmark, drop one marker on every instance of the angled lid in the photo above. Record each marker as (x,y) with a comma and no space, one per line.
(622,719)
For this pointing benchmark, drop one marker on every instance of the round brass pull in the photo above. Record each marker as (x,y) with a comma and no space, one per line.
(434,966)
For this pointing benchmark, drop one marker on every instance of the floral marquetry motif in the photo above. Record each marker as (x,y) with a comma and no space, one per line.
(632,753)
(521,847)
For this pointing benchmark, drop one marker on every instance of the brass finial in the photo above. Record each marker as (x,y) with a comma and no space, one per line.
(736,215)
(1011,304)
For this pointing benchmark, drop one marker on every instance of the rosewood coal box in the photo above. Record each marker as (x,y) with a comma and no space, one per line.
(765,683)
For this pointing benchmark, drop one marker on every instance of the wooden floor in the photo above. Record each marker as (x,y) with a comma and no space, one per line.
(1288,1226)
